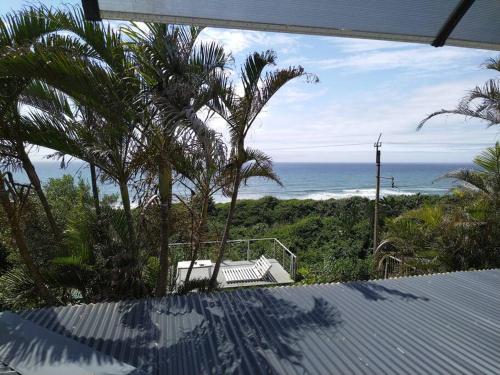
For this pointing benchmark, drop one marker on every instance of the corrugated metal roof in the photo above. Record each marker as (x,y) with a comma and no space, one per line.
(31,349)
(401,20)
(6,370)
(436,324)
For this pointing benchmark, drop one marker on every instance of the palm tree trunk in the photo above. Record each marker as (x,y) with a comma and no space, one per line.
(131,284)
(18,235)
(225,235)
(95,190)
(35,181)
(165,193)
(199,236)
(128,217)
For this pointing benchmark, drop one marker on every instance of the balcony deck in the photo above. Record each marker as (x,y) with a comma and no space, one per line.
(277,274)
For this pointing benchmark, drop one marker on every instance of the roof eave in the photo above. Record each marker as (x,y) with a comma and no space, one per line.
(295,29)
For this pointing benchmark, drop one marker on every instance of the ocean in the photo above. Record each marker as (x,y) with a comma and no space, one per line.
(311,180)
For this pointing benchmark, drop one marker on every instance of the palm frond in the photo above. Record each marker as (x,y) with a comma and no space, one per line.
(429,215)
(18,289)
(101,41)
(472,180)
(42,129)
(272,82)
(86,82)
(486,178)
(489,159)
(26,26)
(258,164)
(483,102)
(252,69)
(208,57)
(42,97)
(493,63)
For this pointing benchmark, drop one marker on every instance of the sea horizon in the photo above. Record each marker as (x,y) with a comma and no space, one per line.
(307,180)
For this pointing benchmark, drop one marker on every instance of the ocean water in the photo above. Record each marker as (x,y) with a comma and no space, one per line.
(311,180)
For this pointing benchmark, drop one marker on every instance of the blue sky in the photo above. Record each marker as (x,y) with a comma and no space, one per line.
(366,87)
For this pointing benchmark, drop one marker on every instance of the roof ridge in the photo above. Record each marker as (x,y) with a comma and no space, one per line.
(379,279)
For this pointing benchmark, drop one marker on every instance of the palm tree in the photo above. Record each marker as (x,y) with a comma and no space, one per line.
(181,77)
(89,64)
(11,201)
(240,113)
(92,67)
(25,30)
(410,236)
(485,179)
(110,136)
(202,171)
(482,102)
(89,121)
(461,235)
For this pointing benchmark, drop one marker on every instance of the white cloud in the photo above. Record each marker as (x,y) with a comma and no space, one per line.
(351,45)
(366,87)
(298,95)
(332,132)
(417,59)
(238,41)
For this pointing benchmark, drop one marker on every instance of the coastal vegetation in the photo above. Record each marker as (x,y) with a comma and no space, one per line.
(459,232)
(332,239)
(135,105)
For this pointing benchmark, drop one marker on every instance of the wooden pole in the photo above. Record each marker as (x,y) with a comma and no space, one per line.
(377,145)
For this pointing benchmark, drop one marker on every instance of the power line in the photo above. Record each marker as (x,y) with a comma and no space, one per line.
(441,143)
(318,146)
(422,144)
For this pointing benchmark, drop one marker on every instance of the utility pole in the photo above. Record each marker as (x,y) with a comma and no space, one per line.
(377,145)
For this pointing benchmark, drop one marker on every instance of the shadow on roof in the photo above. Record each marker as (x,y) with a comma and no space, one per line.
(210,333)
(376,292)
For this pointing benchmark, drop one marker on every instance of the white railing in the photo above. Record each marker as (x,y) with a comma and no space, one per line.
(391,266)
(247,249)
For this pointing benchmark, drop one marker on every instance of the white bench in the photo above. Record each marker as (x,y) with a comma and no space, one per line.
(202,269)
(256,272)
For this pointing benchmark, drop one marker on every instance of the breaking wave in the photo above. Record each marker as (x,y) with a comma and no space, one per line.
(341,194)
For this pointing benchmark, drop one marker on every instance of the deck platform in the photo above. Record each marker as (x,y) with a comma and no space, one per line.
(277,274)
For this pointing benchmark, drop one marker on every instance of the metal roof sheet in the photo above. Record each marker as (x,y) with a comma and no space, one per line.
(435,324)
(31,349)
(401,20)
(6,370)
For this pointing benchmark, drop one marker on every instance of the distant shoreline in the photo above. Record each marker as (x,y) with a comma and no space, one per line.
(327,198)
(307,181)
(227,201)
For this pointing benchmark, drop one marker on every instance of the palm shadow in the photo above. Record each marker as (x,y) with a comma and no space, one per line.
(245,331)
(377,292)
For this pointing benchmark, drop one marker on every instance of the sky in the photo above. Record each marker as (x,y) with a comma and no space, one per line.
(365,88)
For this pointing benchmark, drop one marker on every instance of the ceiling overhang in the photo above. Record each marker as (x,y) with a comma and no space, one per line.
(464,23)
